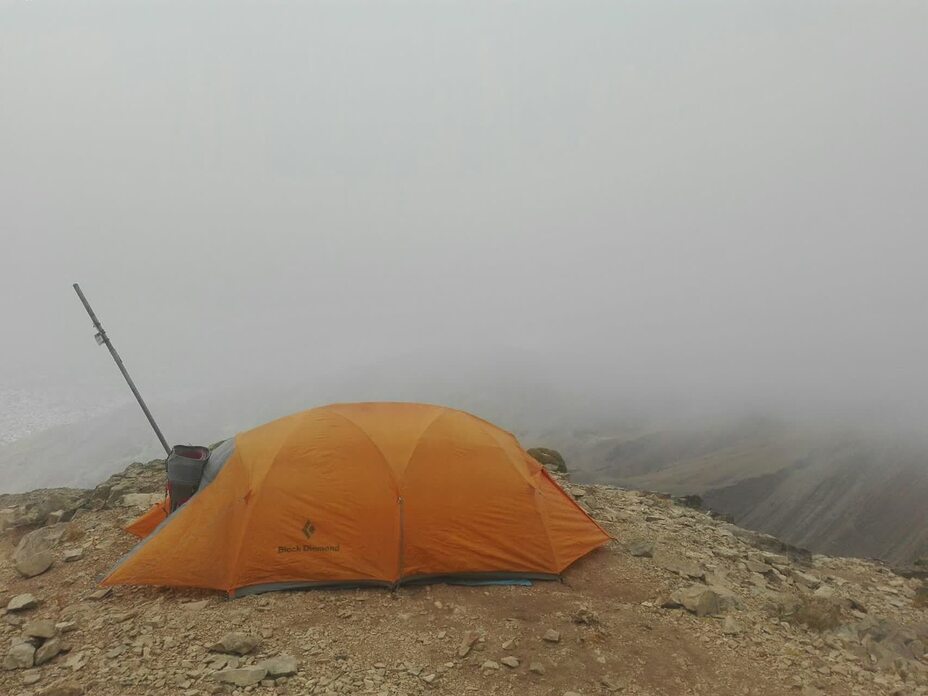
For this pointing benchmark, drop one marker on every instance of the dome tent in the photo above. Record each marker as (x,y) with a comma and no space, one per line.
(373,493)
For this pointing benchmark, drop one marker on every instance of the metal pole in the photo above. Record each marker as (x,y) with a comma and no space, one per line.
(102,338)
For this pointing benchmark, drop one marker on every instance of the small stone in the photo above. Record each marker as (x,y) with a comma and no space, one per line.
(730,627)
(757,566)
(641,549)
(536,668)
(31,676)
(20,656)
(577,492)
(509,643)
(280,666)
(551,636)
(195,606)
(490,664)
(71,555)
(429,678)
(22,602)
(236,643)
(65,626)
(467,643)
(39,628)
(703,600)
(242,676)
(510,661)
(681,566)
(47,651)
(100,594)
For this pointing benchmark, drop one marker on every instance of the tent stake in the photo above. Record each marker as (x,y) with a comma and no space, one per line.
(103,339)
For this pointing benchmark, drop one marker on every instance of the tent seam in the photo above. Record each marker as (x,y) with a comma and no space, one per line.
(260,488)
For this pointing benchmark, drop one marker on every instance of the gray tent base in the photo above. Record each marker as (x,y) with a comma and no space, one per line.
(412,580)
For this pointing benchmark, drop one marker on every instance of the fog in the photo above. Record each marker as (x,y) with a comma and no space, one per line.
(620,205)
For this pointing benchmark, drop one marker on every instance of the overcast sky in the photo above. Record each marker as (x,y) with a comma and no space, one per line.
(719,201)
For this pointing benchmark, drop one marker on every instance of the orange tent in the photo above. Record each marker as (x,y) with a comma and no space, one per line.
(376,493)
(144,525)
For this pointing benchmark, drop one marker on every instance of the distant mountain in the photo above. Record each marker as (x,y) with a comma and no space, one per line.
(834,491)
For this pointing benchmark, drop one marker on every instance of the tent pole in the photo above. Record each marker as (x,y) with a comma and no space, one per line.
(102,338)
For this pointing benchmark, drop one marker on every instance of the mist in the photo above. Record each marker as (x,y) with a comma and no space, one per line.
(603,207)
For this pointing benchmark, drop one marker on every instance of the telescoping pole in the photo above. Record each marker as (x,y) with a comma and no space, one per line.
(103,339)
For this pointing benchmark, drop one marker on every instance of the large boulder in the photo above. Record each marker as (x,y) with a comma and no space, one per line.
(35,552)
(34,564)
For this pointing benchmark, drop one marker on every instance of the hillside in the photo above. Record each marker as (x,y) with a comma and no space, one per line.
(680,603)
(836,491)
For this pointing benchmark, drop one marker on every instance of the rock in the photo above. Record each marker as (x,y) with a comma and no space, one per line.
(40,628)
(63,689)
(921,596)
(577,492)
(22,602)
(467,643)
(43,507)
(730,627)
(40,540)
(766,542)
(703,600)
(32,676)
(489,664)
(100,594)
(549,458)
(536,668)
(20,656)
(757,566)
(612,685)
(641,549)
(242,676)
(775,559)
(142,501)
(236,643)
(47,651)
(510,661)
(584,616)
(280,666)
(70,555)
(33,564)
(681,566)
(195,606)
(551,636)
(65,626)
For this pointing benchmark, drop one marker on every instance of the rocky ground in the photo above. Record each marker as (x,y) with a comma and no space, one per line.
(680,603)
